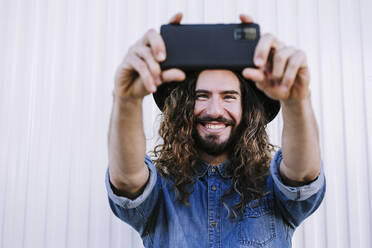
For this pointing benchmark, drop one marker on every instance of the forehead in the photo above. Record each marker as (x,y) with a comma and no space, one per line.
(218,80)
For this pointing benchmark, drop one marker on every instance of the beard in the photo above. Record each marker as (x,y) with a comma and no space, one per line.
(210,144)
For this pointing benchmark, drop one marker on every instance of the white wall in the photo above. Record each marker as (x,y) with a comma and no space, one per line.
(57,61)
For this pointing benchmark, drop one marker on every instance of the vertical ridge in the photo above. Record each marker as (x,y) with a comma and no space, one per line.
(343,117)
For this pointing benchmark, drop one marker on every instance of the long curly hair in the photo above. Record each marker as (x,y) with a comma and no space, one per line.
(250,155)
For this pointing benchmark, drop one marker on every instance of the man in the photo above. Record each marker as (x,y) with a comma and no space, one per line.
(215,183)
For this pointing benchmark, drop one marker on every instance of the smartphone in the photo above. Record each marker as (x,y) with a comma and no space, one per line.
(193,47)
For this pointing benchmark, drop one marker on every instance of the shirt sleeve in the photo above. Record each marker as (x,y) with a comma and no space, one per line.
(136,212)
(126,202)
(296,203)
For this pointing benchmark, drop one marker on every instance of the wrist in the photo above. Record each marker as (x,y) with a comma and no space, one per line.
(120,100)
(298,112)
(127,106)
(296,104)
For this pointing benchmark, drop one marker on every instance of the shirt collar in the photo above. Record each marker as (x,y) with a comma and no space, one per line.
(202,168)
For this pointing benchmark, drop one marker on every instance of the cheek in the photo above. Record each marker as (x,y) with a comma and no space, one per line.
(198,108)
(239,116)
(236,112)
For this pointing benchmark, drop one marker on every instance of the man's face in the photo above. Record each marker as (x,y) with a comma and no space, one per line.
(218,110)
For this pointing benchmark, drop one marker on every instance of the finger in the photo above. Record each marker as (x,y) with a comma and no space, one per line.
(156,43)
(145,54)
(280,61)
(245,18)
(297,61)
(258,77)
(255,75)
(264,86)
(176,19)
(262,51)
(140,66)
(171,75)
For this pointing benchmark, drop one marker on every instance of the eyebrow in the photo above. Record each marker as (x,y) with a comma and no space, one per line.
(232,92)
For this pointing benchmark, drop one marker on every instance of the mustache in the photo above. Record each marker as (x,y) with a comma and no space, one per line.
(221,119)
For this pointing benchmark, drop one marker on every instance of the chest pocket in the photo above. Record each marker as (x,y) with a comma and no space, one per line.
(257,228)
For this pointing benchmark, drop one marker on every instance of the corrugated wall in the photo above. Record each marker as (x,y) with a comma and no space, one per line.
(57,61)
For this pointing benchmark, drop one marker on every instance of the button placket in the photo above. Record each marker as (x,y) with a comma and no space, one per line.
(214,232)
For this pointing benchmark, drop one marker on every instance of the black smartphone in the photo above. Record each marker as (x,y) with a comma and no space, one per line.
(210,46)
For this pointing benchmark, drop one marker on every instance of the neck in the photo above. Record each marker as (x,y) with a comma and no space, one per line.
(214,160)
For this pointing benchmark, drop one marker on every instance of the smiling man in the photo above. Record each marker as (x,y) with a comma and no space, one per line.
(213,181)
(218,111)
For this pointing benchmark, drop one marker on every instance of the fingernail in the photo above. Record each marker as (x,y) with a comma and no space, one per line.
(161,56)
(259,62)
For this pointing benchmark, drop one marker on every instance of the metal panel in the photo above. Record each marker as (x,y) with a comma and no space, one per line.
(57,64)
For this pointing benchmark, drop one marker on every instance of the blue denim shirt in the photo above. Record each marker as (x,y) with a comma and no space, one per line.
(162,222)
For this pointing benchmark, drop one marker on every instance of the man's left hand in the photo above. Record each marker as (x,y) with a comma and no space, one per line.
(282,72)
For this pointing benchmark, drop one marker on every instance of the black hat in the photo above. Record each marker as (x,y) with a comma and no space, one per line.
(271,106)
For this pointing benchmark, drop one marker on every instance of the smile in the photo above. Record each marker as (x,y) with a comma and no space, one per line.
(215,126)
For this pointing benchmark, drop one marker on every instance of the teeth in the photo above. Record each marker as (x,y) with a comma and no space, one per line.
(214,126)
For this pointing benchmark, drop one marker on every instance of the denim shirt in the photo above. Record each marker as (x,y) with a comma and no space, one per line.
(162,222)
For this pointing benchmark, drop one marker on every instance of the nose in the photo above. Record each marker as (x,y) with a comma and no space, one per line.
(214,108)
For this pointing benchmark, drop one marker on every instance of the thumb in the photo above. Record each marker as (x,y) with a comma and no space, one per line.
(255,75)
(173,75)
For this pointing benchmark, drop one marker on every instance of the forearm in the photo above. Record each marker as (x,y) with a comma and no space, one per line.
(126,144)
(300,142)
(137,76)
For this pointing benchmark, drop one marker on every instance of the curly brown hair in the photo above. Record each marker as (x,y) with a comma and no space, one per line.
(249,156)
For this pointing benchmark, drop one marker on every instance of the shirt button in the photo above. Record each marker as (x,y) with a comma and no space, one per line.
(214,188)
(213,170)
(213,223)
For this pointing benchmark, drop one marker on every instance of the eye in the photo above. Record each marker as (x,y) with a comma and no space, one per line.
(229,97)
(201,96)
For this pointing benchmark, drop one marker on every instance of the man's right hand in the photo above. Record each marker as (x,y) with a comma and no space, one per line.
(139,74)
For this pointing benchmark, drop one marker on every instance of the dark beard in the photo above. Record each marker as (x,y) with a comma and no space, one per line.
(211,147)
(209,144)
